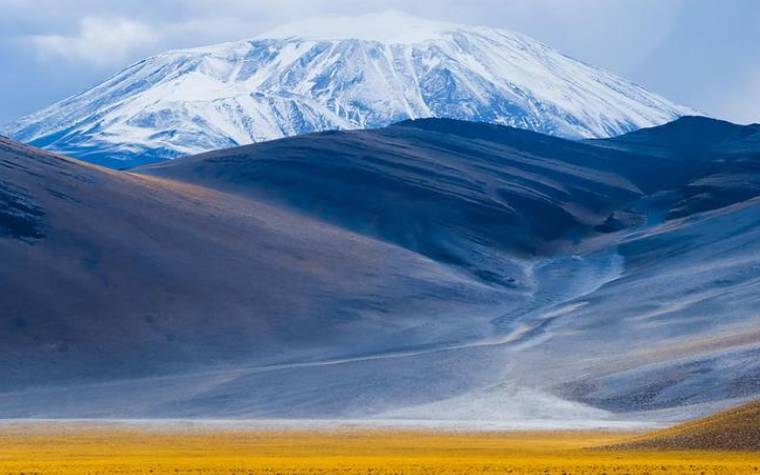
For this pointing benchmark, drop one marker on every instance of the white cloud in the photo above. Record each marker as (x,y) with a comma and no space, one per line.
(101,42)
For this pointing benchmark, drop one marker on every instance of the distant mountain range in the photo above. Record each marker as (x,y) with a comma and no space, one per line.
(340,73)
(432,270)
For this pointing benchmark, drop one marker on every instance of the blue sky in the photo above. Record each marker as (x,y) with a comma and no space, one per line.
(701,53)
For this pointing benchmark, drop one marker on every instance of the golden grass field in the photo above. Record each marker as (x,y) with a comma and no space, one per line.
(80,448)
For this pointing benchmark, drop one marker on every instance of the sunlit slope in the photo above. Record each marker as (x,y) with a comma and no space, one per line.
(108,275)
(734,429)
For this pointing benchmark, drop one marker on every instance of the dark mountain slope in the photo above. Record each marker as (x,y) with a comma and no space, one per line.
(456,192)
(430,270)
(446,188)
(715,163)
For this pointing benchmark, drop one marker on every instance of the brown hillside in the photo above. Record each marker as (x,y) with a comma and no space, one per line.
(734,429)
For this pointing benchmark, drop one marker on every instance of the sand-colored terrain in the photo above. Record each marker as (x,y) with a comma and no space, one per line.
(81,448)
(735,429)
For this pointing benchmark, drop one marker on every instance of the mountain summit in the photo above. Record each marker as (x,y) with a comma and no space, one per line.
(338,73)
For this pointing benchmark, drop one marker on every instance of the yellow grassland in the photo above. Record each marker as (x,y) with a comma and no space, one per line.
(56,448)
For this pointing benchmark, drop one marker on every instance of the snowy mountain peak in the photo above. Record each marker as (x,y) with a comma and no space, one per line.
(338,73)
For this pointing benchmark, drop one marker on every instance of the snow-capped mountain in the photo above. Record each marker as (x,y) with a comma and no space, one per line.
(339,73)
